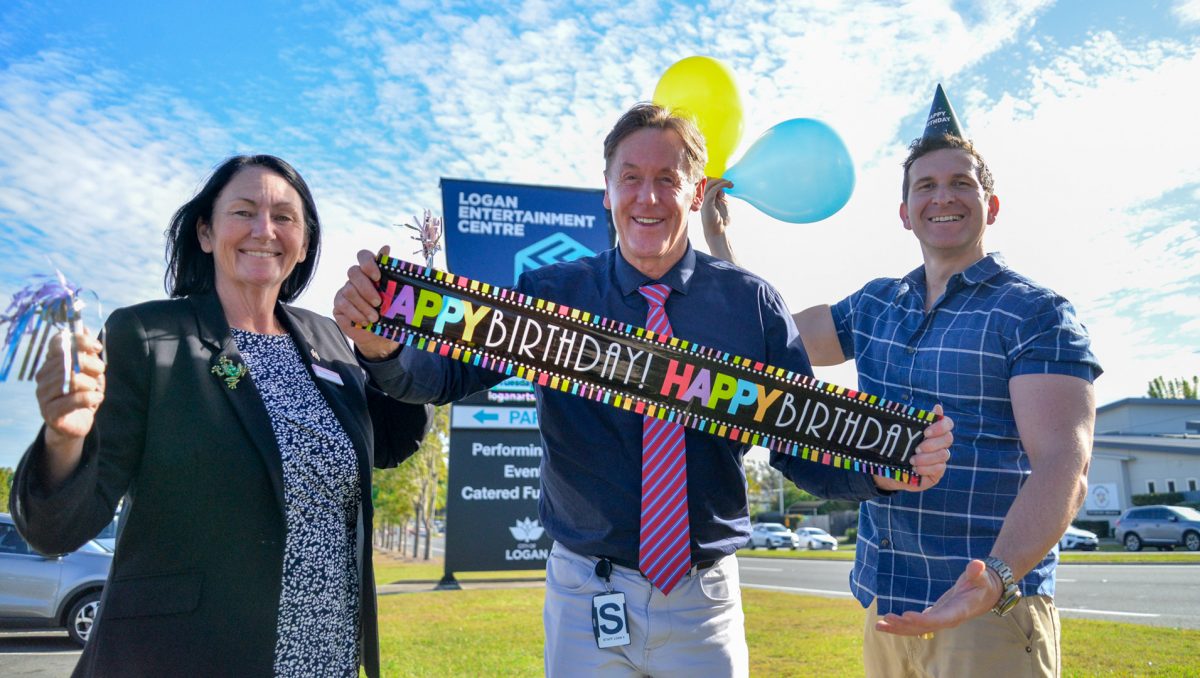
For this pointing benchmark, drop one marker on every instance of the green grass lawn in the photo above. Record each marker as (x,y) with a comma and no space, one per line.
(498,632)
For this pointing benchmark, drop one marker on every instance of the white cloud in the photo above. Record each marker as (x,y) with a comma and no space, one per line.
(89,177)
(1090,146)
(1188,11)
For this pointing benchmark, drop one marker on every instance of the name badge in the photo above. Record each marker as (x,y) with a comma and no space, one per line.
(328,375)
(608,620)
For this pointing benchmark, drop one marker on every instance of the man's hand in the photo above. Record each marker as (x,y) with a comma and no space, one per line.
(357,305)
(714,215)
(930,460)
(976,592)
(714,211)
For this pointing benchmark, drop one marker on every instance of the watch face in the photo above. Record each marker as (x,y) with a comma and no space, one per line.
(1007,602)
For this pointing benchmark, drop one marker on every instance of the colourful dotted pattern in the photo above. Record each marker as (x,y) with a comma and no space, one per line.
(801,385)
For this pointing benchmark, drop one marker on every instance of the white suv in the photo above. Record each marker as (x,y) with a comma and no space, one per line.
(772,536)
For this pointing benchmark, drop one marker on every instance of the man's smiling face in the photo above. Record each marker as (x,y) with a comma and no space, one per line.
(947,208)
(650,192)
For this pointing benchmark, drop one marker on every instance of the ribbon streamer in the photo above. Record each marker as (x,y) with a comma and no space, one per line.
(628,367)
(429,234)
(37,310)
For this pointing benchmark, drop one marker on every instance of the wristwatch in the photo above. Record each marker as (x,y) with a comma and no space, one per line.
(1011,593)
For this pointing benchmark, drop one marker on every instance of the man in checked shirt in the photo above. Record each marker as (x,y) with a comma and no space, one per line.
(959,580)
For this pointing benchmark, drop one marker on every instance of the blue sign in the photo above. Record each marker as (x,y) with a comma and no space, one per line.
(495,232)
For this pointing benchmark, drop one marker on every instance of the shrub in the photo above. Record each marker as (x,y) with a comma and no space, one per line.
(1168,498)
(1100,527)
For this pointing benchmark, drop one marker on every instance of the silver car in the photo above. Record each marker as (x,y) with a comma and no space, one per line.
(41,592)
(815,538)
(772,536)
(1075,538)
(1163,526)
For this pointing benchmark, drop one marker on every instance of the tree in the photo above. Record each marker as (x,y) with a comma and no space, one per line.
(763,484)
(6,480)
(1176,389)
(410,492)
(428,467)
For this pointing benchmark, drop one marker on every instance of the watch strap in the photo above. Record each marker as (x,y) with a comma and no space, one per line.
(1010,593)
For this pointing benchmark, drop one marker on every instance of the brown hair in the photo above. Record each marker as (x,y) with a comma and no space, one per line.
(190,270)
(646,115)
(925,145)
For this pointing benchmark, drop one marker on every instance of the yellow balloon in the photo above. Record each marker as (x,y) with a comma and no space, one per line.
(704,88)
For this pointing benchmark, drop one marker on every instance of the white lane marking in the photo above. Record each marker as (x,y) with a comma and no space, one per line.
(64,653)
(1069,581)
(761,569)
(1113,612)
(794,589)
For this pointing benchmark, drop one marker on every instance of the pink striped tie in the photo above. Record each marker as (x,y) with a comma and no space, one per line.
(664,551)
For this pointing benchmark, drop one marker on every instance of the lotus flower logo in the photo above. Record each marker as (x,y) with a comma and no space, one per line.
(526,530)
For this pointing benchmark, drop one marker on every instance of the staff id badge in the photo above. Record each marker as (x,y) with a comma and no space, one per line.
(608,620)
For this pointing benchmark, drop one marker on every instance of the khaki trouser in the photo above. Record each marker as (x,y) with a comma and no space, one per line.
(696,632)
(1024,642)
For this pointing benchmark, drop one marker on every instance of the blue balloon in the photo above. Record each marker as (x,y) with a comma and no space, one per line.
(798,171)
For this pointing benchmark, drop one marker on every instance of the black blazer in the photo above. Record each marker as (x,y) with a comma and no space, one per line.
(195,583)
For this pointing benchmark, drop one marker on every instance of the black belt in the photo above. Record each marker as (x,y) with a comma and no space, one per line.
(698,567)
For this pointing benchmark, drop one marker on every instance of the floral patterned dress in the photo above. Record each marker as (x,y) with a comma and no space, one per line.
(318,604)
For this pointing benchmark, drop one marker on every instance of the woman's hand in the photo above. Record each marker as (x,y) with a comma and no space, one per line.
(69,413)
(357,305)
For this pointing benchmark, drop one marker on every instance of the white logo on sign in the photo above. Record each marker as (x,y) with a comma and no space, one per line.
(1103,497)
(526,530)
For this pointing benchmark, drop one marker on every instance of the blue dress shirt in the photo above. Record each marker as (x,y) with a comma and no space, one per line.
(592,463)
(991,325)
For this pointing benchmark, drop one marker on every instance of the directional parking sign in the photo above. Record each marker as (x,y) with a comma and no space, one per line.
(468,416)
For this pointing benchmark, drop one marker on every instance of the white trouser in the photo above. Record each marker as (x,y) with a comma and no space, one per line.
(697,631)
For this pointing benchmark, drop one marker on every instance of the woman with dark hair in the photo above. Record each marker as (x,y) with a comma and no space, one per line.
(241,433)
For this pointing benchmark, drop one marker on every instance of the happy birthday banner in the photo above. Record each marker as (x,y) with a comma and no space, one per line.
(630,368)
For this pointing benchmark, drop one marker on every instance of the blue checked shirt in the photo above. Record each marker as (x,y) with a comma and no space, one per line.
(991,324)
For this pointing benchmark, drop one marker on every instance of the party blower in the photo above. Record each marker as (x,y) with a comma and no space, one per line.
(48,304)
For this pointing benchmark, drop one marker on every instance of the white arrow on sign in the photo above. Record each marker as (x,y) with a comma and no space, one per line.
(472,416)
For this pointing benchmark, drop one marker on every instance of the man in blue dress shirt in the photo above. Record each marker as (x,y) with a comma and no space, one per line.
(591,472)
(1013,366)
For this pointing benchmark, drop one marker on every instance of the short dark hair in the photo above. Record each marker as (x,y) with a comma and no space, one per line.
(190,270)
(645,115)
(925,145)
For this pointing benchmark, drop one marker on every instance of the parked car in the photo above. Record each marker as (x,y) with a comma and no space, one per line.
(108,536)
(814,538)
(772,536)
(1075,538)
(1163,526)
(41,592)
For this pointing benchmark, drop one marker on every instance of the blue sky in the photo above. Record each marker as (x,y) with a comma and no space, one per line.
(111,115)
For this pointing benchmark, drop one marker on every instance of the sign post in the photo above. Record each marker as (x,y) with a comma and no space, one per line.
(494,232)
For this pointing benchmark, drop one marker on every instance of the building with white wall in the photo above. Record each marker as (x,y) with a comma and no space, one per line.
(1142,446)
